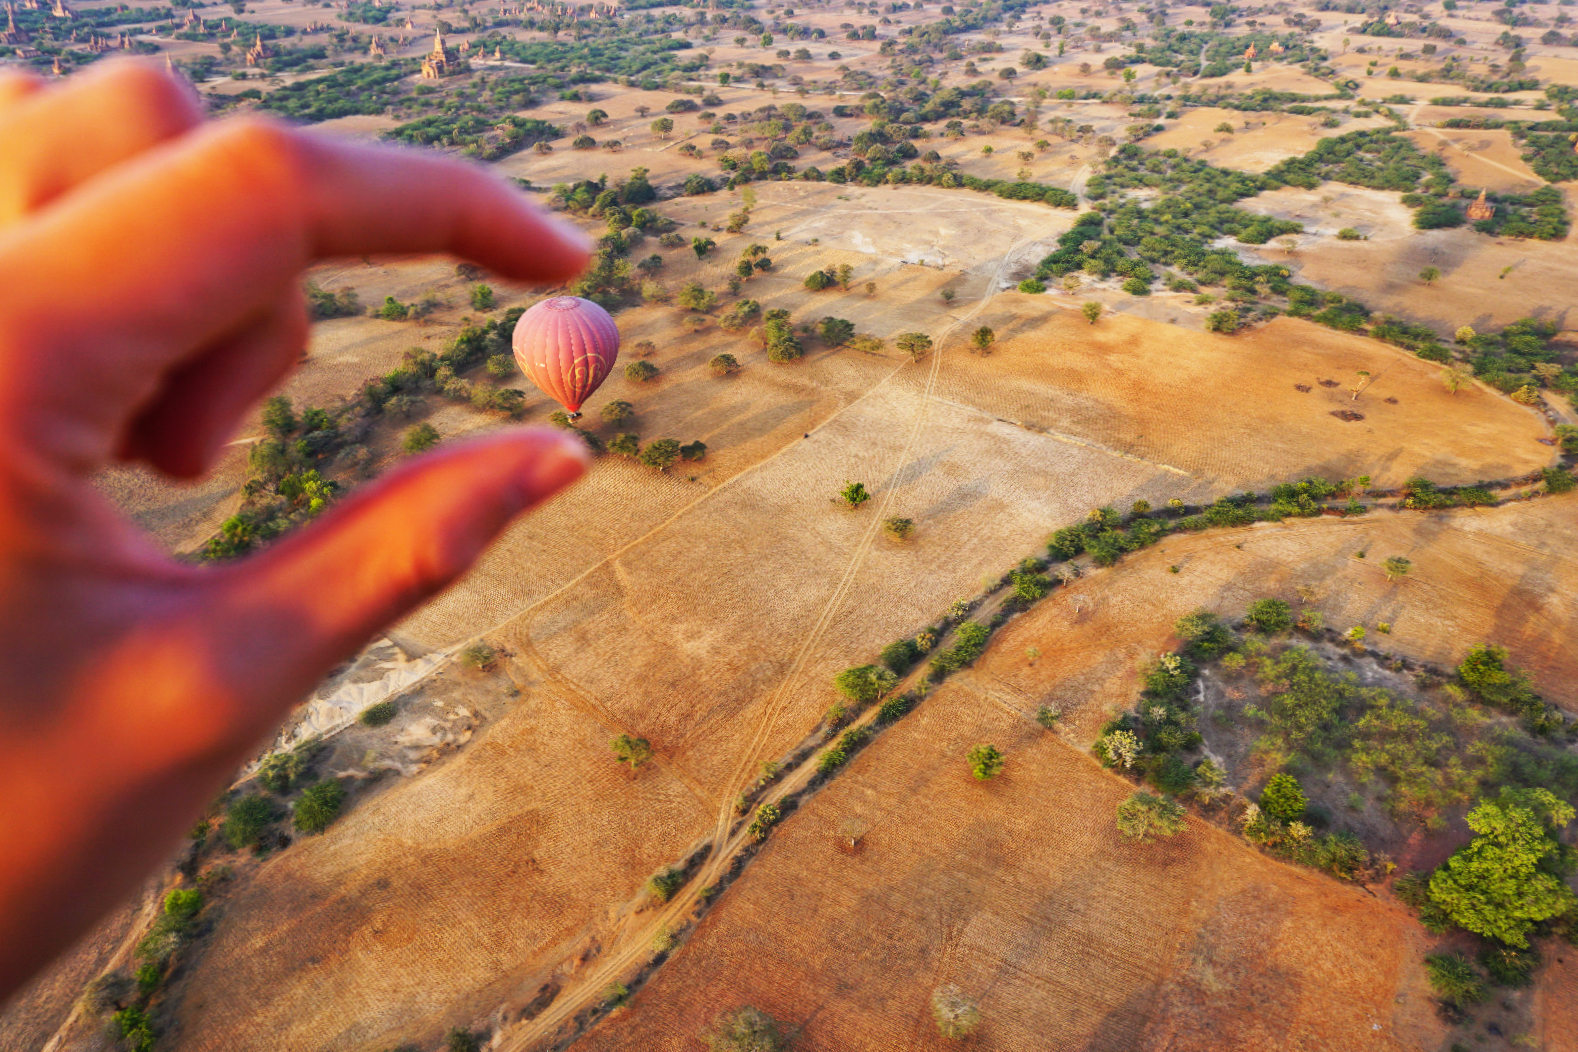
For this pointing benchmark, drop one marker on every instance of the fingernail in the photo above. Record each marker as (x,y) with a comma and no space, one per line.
(560,460)
(572,236)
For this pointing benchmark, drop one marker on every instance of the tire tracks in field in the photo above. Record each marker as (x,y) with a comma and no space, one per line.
(725,847)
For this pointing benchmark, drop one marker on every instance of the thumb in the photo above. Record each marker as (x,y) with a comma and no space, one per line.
(291,613)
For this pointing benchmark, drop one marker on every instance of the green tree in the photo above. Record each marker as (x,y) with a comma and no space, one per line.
(696,450)
(1484,671)
(693,297)
(1144,816)
(458,1040)
(319,805)
(1456,980)
(702,245)
(1396,566)
(986,761)
(835,332)
(640,371)
(1283,798)
(634,751)
(420,438)
(1508,878)
(661,454)
(279,771)
(914,344)
(501,366)
(279,416)
(983,338)
(617,412)
(864,684)
(626,445)
(1430,275)
(745,1029)
(854,494)
(482,298)
(662,127)
(723,364)
(246,820)
(1269,616)
(1091,311)
(818,280)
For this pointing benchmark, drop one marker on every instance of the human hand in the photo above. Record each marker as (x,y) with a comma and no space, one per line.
(149,294)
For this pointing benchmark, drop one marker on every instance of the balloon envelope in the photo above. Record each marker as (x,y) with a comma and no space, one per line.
(567,346)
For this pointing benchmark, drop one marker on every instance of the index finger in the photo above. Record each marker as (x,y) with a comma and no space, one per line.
(187,243)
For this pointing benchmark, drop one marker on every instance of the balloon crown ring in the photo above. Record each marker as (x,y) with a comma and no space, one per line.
(563,303)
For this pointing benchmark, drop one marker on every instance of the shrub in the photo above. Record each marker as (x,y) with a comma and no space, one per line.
(319,806)
(1559,480)
(479,656)
(745,1029)
(1269,616)
(900,656)
(626,444)
(1283,798)
(1348,233)
(617,412)
(640,371)
(854,494)
(1510,966)
(501,366)
(420,438)
(634,751)
(662,885)
(818,280)
(379,714)
(458,1040)
(957,1015)
(899,528)
(1144,816)
(894,708)
(279,771)
(1454,979)
(1032,286)
(723,364)
(247,819)
(693,451)
(766,816)
(1048,716)
(986,761)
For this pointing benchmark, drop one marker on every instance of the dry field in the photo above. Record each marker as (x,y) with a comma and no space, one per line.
(1486,282)
(1480,157)
(1021,892)
(1260,141)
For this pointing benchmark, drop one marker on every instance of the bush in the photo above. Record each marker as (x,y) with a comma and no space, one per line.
(1283,798)
(663,885)
(1454,979)
(957,1015)
(1144,816)
(319,806)
(1269,616)
(745,1029)
(1348,233)
(247,819)
(379,714)
(1559,480)
(865,683)
(420,438)
(617,412)
(640,371)
(1032,286)
(661,454)
(279,771)
(900,656)
(986,761)
(479,656)
(692,451)
(634,751)
(723,364)
(899,528)
(458,1040)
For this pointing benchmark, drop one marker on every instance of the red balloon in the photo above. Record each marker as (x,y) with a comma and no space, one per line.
(567,346)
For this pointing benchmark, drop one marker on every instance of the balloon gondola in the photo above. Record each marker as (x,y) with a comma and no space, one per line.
(567,346)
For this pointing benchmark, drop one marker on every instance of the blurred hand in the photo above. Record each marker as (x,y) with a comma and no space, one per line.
(149,295)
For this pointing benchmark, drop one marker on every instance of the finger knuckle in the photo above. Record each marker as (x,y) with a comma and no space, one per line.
(266,145)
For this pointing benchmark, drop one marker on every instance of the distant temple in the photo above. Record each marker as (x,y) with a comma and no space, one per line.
(1392,19)
(1481,208)
(258,52)
(376,48)
(436,64)
(1276,48)
(1249,52)
(60,10)
(12,34)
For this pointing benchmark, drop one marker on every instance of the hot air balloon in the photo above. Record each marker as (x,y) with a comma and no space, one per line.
(567,346)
